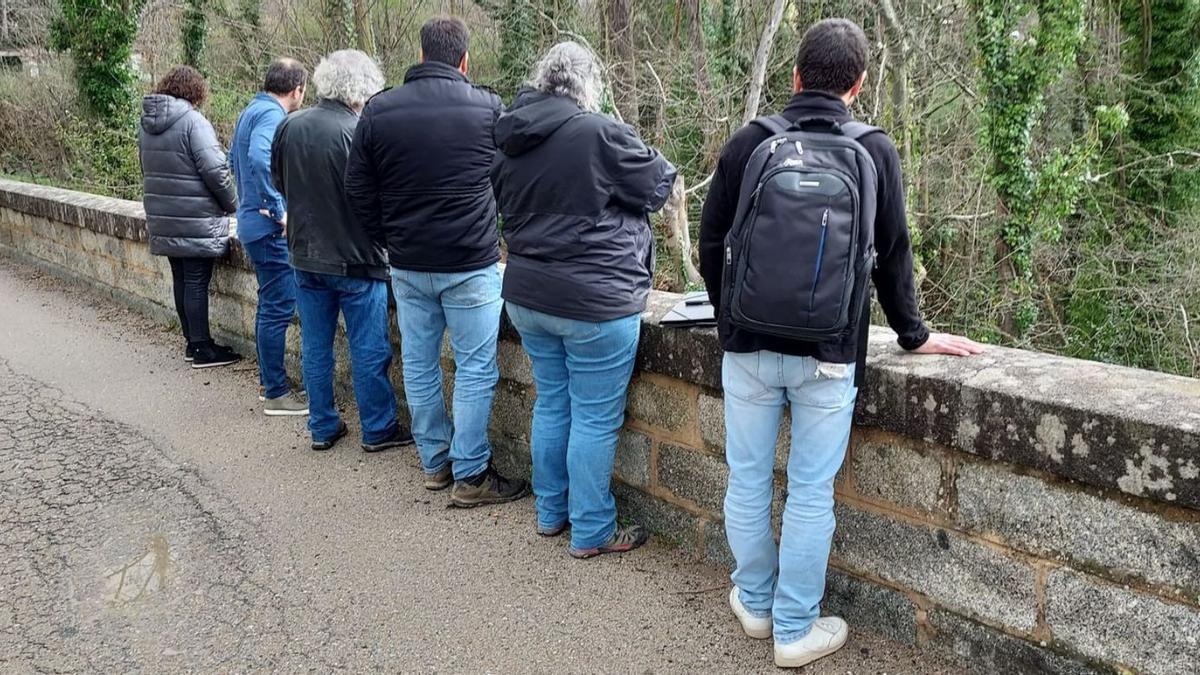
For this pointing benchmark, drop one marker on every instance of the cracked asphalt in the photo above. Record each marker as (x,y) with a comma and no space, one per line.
(152,520)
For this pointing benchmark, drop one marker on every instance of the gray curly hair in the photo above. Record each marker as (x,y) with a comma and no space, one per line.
(572,70)
(349,76)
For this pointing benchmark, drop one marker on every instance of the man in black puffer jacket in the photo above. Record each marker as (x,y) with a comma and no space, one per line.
(418,176)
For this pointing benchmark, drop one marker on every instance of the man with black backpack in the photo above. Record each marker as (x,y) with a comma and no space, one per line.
(805,209)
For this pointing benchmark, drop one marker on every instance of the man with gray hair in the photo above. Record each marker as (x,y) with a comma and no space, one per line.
(340,265)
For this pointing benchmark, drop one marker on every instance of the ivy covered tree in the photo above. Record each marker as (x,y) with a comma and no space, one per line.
(1024,47)
(99,36)
(1162,60)
(342,25)
(194,33)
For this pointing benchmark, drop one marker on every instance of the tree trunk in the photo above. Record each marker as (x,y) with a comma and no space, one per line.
(362,27)
(704,89)
(758,71)
(899,48)
(619,42)
(678,238)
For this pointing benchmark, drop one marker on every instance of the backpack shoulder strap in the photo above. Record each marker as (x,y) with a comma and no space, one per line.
(856,131)
(774,124)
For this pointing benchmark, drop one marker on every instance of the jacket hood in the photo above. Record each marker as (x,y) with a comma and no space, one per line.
(160,111)
(532,119)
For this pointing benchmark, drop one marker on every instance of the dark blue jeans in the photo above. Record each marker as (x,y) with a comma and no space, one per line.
(276,306)
(363,302)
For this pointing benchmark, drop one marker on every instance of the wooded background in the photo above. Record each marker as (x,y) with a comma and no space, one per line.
(1051,147)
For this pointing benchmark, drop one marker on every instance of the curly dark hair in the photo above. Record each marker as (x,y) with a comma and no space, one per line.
(184,82)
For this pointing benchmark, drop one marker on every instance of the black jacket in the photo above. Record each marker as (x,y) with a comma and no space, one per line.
(418,171)
(188,190)
(893,275)
(308,167)
(575,189)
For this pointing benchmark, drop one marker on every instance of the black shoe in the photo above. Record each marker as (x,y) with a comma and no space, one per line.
(337,435)
(213,355)
(189,354)
(399,439)
(488,487)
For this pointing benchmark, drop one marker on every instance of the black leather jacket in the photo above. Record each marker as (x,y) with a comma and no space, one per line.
(308,167)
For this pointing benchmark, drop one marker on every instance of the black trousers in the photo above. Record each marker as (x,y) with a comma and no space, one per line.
(191,277)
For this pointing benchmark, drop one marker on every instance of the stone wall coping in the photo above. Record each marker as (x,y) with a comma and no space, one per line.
(1109,426)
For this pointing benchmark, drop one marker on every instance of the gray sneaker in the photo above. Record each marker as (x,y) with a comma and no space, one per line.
(291,403)
(623,540)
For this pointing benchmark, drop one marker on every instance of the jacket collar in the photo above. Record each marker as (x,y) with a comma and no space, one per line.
(807,103)
(434,69)
(264,96)
(335,105)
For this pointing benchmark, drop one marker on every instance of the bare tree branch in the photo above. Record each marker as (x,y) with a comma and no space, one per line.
(758,71)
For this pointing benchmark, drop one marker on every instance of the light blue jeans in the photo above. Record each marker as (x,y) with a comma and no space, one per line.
(467,304)
(582,372)
(363,302)
(787,583)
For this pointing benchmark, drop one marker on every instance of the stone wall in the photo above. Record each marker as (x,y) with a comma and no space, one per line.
(1030,513)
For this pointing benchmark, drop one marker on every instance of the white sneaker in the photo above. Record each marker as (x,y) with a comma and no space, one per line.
(757,627)
(828,634)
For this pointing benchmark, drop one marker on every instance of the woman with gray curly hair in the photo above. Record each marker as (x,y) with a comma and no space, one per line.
(575,188)
(340,266)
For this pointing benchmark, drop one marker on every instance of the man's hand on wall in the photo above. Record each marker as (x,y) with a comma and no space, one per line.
(953,345)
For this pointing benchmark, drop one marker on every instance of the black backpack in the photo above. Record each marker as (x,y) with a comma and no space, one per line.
(799,255)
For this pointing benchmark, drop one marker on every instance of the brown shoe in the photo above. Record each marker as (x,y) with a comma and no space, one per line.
(440,480)
(488,487)
(623,540)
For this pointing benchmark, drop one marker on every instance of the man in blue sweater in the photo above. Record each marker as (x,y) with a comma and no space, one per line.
(262,228)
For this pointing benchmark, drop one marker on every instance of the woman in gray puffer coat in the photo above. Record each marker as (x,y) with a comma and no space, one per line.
(189,195)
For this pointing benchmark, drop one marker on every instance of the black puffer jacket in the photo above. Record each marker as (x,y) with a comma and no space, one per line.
(189,192)
(575,190)
(418,171)
(308,166)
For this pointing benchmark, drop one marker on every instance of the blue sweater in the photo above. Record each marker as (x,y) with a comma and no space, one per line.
(250,158)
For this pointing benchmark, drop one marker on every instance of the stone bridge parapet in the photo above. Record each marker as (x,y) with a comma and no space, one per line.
(1029,512)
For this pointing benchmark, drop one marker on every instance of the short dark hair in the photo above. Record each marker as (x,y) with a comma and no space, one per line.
(184,82)
(284,75)
(833,55)
(445,39)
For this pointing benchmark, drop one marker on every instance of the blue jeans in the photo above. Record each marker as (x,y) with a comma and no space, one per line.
(320,297)
(787,583)
(276,306)
(468,305)
(582,372)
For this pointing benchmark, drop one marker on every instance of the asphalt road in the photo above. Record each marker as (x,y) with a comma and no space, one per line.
(152,520)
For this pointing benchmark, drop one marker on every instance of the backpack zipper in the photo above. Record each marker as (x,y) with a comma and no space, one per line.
(812,300)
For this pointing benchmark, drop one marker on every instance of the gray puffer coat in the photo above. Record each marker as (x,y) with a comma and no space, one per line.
(189,191)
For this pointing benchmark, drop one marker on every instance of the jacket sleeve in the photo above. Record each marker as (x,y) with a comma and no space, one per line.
(716,218)
(259,160)
(212,164)
(362,184)
(893,275)
(639,178)
(277,150)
